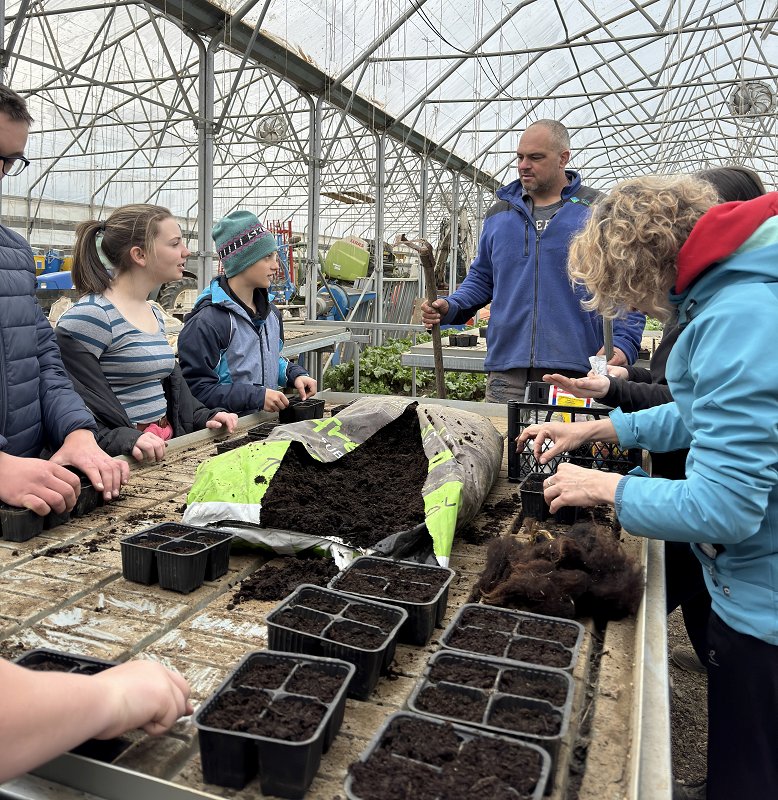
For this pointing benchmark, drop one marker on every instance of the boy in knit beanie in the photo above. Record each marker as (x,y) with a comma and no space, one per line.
(230,346)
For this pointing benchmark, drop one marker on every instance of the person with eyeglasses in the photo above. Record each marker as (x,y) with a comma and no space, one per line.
(46,713)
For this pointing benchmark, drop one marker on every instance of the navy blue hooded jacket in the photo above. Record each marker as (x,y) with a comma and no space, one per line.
(38,405)
(536,316)
(226,358)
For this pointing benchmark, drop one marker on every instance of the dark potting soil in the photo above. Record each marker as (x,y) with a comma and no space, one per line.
(362,497)
(293,719)
(323,602)
(479,640)
(204,538)
(173,530)
(424,741)
(386,568)
(271,582)
(537,651)
(534,684)
(148,541)
(265,675)
(494,620)
(412,591)
(184,548)
(368,615)
(514,717)
(511,764)
(465,674)
(315,682)
(356,635)
(544,629)
(299,619)
(452,702)
(50,666)
(379,778)
(237,711)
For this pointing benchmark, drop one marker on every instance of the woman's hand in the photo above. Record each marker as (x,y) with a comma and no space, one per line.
(149,447)
(562,437)
(618,372)
(578,486)
(592,386)
(223,420)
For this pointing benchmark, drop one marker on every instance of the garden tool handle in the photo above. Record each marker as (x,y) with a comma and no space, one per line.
(607,331)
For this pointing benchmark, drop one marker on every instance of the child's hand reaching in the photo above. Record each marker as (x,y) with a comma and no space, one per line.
(274,400)
(306,386)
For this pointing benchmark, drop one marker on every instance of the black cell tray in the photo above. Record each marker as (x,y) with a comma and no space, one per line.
(514,626)
(286,768)
(387,578)
(465,735)
(179,571)
(19,524)
(231,444)
(594,455)
(495,699)
(533,501)
(307,601)
(298,410)
(143,564)
(260,432)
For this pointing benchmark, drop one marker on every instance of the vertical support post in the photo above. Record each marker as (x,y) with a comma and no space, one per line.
(423,182)
(314,200)
(205,164)
(454,250)
(378,273)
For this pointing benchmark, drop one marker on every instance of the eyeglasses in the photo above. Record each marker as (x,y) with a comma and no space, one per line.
(14,165)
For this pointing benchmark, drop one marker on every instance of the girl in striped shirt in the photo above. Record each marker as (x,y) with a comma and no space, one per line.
(115,324)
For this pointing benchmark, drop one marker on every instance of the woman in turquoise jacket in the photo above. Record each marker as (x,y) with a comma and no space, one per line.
(653,243)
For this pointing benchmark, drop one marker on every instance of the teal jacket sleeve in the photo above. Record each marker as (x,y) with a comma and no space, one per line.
(660,429)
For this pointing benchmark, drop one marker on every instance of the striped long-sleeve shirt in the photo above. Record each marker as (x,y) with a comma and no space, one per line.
(133,362)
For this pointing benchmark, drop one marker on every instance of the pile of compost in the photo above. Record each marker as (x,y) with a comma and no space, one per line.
(274,581)
(363,497)
(582,573)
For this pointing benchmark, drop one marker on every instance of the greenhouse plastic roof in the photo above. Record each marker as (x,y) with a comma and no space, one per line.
(657,86)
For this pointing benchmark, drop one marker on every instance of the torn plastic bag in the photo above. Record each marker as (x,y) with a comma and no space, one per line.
(464,451)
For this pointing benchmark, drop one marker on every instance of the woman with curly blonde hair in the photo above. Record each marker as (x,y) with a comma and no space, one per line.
(658,243)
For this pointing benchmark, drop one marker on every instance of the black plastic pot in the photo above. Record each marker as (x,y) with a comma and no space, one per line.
(453,340)
(181,565)
(218,544)
(261,431)
(533,503)
(139,556)
(53,520)
(298,410)
(286,767)
(89,498)
(501,711)
(483,332)
(439,766)
(567,515)
(509,629)
(467,340)
(330,613)
(19,524)
(386,580)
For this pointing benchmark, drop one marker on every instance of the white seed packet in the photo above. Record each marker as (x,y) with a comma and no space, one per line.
(599,365)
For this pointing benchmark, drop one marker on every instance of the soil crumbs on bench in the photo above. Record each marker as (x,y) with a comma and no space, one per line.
(362,497)
(280,577)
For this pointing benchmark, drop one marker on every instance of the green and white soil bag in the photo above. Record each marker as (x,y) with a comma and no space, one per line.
(464,452)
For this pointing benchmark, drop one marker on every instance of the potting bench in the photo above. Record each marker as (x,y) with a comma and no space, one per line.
(64,590)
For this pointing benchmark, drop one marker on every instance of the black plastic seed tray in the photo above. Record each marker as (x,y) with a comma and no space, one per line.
(19,524)
(231,444)
(530,702)
(392,581)
(594,455)
(297,410)
(146,556)
(325,622)
(260,432)
(441,755)
(278,685)
(516,635)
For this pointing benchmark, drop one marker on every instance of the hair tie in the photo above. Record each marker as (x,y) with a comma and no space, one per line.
(101,227)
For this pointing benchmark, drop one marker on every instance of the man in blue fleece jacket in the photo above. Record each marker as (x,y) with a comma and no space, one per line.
(536,321)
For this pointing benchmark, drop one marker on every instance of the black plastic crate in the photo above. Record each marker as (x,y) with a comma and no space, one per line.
(512,634)
(310,617)
(530,702)
(390,581)
(19,524)
(141,562)
(260,432)
(286,767)
(596,455)
(520,768)
(181,565)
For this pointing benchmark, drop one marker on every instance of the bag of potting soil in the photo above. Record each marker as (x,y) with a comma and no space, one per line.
(386,475)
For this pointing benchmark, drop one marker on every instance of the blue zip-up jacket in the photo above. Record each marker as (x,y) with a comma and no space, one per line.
(226,359)
(536,319)
(723,375)
(38,405)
